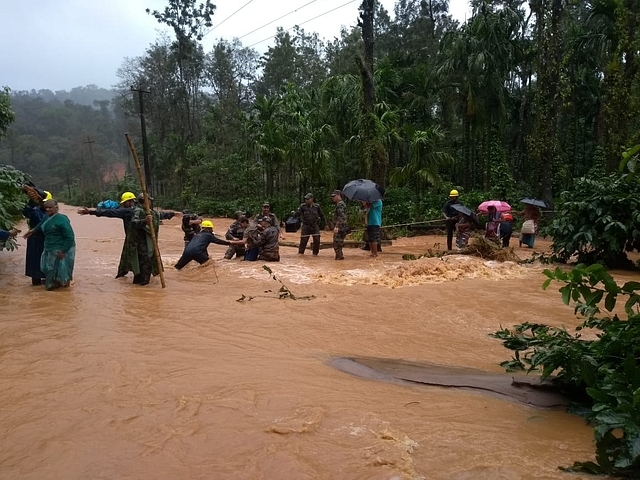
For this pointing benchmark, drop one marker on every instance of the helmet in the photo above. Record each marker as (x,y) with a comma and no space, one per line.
(207,224)
(453,193)
(126,196)
(47,196)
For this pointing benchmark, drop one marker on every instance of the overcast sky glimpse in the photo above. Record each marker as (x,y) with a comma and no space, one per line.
(70,43)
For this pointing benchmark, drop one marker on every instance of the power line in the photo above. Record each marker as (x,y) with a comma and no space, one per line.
(216,26)
(279,18)
(306,21)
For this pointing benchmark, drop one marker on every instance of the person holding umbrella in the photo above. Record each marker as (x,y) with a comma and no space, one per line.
(494,210)
(465,223)
(451,216)
(369,193)
(531,214)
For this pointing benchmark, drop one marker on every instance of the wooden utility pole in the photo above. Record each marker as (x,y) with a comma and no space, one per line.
(143,128)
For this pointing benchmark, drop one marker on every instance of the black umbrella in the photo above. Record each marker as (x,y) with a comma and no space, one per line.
(462,209)
(363,190)
(533,201)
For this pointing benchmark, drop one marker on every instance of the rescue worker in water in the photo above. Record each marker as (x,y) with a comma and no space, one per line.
(196,249)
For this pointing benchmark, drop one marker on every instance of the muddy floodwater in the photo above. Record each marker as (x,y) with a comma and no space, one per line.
(108,380)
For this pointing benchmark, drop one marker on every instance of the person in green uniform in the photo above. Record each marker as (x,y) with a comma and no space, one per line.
(138,253)
(339,223)
(59,253)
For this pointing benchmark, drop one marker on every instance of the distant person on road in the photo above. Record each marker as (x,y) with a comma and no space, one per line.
(58,257)
(451,216)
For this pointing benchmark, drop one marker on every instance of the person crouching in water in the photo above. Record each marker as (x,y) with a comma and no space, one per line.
(196,249)
(236,232)
(268,242)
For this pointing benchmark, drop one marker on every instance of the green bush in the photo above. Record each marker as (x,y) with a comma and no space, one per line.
(12,200)
(603,374)
(598,221)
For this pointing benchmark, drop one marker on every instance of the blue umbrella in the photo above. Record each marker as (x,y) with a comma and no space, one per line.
(534,201)
(363,190)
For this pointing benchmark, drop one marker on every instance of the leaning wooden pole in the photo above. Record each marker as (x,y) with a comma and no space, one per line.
(147,208)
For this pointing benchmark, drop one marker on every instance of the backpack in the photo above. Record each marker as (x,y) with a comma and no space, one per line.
(108,205)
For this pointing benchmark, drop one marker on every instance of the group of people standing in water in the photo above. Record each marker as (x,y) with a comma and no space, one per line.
(499,225)
(50,252)
(51,242)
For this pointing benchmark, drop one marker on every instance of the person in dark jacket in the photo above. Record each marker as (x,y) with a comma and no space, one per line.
(128,202)
(310,214)
(35,215)
(196,249)
(451,215)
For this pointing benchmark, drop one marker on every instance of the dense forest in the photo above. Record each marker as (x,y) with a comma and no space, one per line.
(520,99)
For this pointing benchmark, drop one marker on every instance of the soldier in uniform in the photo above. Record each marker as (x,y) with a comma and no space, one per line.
(236,232)
(310,215)
(266,212)
(190,225)
(339,223)
(268,243)
(251,239)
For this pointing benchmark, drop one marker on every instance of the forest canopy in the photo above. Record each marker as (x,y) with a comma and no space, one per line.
(522,98)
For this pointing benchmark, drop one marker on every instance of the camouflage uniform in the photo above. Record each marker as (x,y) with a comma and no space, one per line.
(339,222)
(269,245)
(189,230)
(138,253)
(272,216)
(235,232)
(310,215)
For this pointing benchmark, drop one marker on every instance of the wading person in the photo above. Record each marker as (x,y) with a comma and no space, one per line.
(191,225)
(374,225)
(196,249)
(339,223)
(138,254)
(124,212)
(506,229)
(251,238)
(310,215)
(451,215)
(236,232)
(493,226)
(268,242)
(266,212)
(464,226)
(529,230)
(35,214)
(59,253)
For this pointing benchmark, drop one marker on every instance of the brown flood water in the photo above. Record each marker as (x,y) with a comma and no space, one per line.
(108,380)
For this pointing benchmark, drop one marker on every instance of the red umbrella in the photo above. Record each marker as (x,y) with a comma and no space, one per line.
(500,206)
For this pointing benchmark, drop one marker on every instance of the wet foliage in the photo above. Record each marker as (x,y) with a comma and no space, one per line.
(12,200)
(601,372)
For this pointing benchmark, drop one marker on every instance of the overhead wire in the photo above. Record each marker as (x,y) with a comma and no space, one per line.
(279,18)
(306,21)
(216,26)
